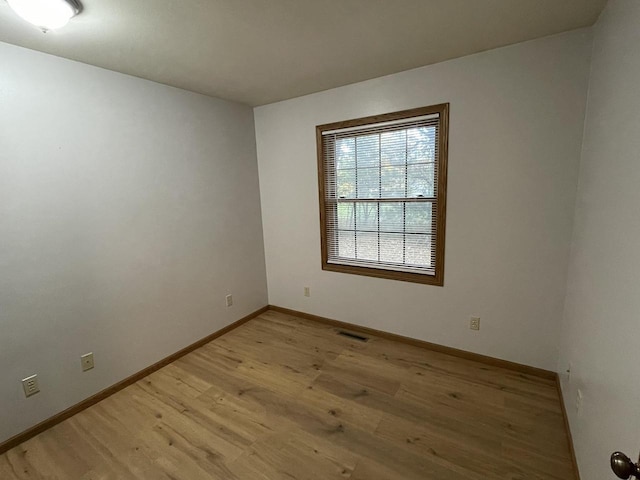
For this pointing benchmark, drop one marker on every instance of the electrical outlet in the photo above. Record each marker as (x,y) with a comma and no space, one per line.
(307,292)
(86,361)
(579,401)
(229,300)
(474,324)
(30,385)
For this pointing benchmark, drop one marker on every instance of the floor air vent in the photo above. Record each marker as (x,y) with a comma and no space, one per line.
(353,336)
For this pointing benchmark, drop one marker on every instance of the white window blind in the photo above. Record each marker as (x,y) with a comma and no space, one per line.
(381,194)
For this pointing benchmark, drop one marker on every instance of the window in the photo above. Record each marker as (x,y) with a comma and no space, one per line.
(382,183)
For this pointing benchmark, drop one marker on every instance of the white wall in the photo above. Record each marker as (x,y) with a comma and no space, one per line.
(516,128)
(601,330)
(128,210)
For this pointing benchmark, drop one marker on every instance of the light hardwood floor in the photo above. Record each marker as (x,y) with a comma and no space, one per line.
(286,398)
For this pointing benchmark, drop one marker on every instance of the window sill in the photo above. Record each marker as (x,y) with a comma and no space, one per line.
(423,278)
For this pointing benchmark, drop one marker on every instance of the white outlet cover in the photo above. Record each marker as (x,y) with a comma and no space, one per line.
(579,401)
(30,385)
(86,361)
(229,300)
(474,324)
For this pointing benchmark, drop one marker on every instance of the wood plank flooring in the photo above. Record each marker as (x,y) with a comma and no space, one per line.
(286,398)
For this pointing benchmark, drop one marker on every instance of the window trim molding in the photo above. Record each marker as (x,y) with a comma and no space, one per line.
(443,151)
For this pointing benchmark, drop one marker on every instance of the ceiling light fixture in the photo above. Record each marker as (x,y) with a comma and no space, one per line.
(46,14)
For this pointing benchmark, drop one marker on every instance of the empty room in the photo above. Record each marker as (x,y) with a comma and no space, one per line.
(331,239)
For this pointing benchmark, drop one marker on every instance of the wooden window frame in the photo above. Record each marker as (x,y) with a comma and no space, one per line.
(443,140)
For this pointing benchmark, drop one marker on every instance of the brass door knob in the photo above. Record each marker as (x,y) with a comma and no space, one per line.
(623,467)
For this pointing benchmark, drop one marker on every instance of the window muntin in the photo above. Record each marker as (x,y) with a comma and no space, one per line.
(382,194)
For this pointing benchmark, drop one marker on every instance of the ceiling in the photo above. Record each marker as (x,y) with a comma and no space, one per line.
(261,51)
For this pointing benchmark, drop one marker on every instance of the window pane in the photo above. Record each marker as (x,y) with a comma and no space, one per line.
(368,148)
(381,194)
(393,181)
(345,153)
(418,250)
(346,245)
(393,148)
(368,182)
(391,217)
(346,183)
(420,180)
(418,217)
(345,216)
(391,246)
(367,216)
(421,144)
(367,246)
